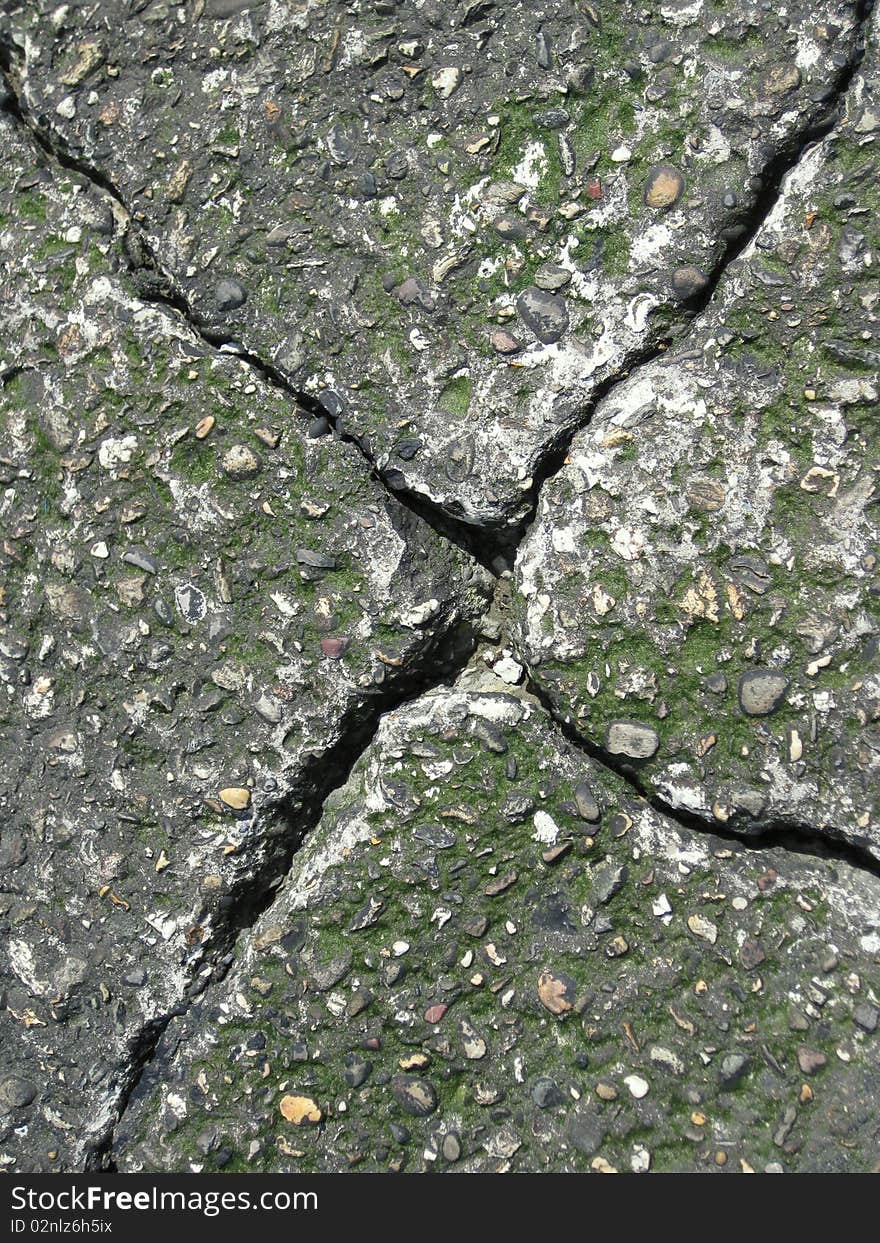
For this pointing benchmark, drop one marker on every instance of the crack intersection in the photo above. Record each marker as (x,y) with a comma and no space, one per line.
(494,548)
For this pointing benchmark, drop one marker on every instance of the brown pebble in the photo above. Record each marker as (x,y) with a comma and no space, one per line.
(236,797)
(557,992)
(504,342)
(664,186)
(810,1060)
(495,887)
(554,853)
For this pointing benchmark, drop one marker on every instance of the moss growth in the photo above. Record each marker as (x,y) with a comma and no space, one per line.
(456,396)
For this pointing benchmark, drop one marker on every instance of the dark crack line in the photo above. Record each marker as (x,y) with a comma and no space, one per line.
(337,766)
(308,406)
(785,162)
(503,542)
(745,832)
(493,548)
(299,813)
(157,287)
(793,835)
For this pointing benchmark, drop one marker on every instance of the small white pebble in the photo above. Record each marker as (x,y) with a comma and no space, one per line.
(640,1161)
(508,670)
(638,1087)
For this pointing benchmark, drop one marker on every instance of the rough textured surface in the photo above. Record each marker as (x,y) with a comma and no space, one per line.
(197,601)
(706,562)
(376,198)
(491,949)
(299,870)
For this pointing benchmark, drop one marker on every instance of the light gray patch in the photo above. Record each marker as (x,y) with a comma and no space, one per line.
(191,603)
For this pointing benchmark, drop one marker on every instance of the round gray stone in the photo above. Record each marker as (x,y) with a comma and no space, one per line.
(16,1093)
(229,295)
(543,313)
(550,277)
(632,739)
(688,281)
(761,691)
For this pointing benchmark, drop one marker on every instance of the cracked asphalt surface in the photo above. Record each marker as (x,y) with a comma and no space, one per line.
(440,613)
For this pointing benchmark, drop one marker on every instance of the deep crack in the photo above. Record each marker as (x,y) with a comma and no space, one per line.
(156,286)
(785,162)
(441,665)
(495,548)
(746,832)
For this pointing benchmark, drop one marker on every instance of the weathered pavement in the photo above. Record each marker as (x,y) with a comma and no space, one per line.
(492,955)
(448,231)
(204,611)
(317,853)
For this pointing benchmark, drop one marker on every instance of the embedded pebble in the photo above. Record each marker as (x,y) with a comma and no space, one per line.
(240,462)
(401,287)
(638,1087)
(300,1110)
(229,295)
(632,739)
(664,186)
(544,313)
(761,692)
(415,1096)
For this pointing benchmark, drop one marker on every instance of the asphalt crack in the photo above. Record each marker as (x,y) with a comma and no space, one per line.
(494,547)
(298,816)
(786,161)
(157,287)
(743,831)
